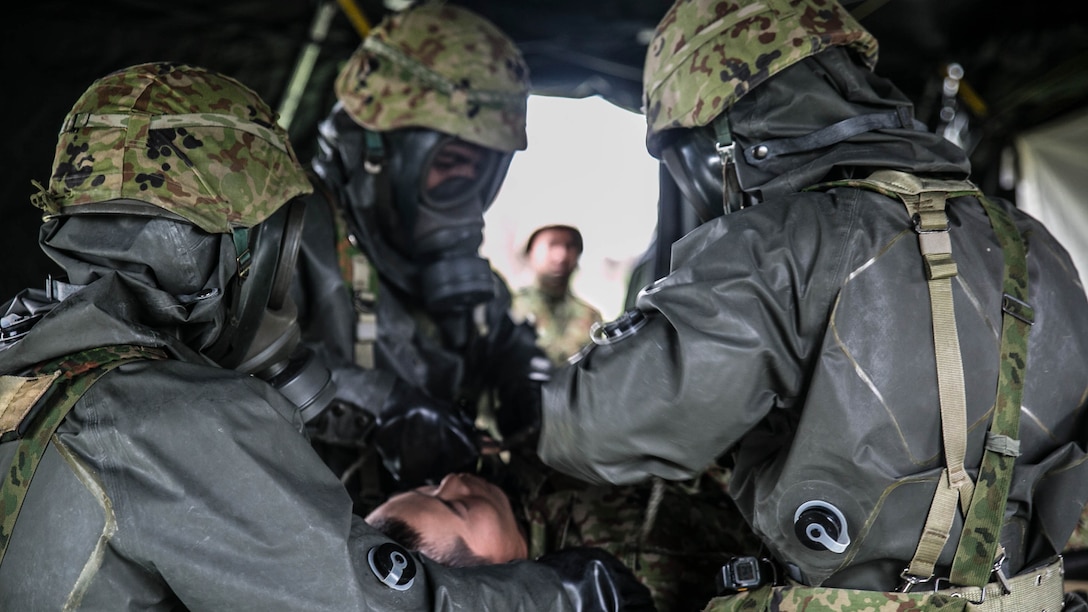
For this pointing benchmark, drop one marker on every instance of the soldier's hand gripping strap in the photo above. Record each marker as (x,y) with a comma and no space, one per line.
(31,409)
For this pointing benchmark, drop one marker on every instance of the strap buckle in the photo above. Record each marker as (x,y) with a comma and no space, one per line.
(1018,308)
(910,580)
(930,221)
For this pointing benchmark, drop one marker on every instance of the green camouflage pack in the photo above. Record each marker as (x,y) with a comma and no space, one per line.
(706,54)
(440,67)
(198,144)
(562,324)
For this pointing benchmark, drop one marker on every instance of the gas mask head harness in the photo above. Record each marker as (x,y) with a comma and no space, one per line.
(261,335)
(715,173)
(260,323)
(430,192)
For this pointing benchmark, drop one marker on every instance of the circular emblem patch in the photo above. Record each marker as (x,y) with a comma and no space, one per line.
(393,566)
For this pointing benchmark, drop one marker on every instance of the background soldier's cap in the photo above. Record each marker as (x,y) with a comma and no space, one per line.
(440,67)
(180,138)
(528,243)
(707,54)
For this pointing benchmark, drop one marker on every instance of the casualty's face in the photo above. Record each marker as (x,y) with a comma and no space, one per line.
(554,253)
(462,505)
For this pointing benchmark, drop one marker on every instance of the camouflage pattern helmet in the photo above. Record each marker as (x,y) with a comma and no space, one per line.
(706,54)
(183,139)
(440,67)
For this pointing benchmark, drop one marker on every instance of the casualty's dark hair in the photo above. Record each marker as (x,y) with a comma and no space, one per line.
(396,529)
(410,537)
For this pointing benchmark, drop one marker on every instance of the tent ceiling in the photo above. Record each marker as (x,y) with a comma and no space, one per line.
(1025,63)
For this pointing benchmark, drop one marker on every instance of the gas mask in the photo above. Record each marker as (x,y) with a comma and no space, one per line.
(262,334)
(416,205)
(701,162)
(458,185)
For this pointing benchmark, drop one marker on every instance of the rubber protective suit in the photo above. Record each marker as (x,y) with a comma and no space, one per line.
(793,337)
(392,289)
(174,482)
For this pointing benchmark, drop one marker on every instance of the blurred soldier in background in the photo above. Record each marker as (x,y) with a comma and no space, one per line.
(561,319)
(393,294)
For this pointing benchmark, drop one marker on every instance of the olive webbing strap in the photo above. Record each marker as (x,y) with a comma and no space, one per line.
(77,372)
(977,553)
(927,210)
(925,201)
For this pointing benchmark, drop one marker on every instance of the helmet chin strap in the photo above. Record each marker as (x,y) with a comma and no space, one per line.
(272,350)
(374,163)
(733,197)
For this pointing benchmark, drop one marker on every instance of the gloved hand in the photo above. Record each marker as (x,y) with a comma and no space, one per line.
(518,417)
(341,424)
(595,580)
(421,439)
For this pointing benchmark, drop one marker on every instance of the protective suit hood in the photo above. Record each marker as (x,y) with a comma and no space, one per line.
(818,92)
(124,273)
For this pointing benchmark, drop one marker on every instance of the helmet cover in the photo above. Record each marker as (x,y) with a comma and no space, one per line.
(579,243)
(707,54)
(440,67)
(184,139)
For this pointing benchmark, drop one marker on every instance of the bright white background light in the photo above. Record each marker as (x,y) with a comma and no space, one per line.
(587,166)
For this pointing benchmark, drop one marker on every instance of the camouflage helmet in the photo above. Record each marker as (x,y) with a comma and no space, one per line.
(707,54)
(183,139)
(440,67)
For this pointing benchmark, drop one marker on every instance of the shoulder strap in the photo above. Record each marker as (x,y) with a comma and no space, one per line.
(33,407)
(982,528)
(977,555)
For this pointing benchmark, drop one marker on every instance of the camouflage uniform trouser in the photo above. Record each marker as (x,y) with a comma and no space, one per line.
(675,539)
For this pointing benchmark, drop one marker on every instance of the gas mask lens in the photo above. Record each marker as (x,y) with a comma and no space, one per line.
(457,171)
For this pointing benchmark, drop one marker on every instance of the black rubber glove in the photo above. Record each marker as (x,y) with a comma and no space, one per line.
(341,424)
(596,581)
(518,417)
(421,439)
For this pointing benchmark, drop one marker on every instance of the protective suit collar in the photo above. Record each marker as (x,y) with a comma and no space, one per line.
(185,295)
(818,92)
